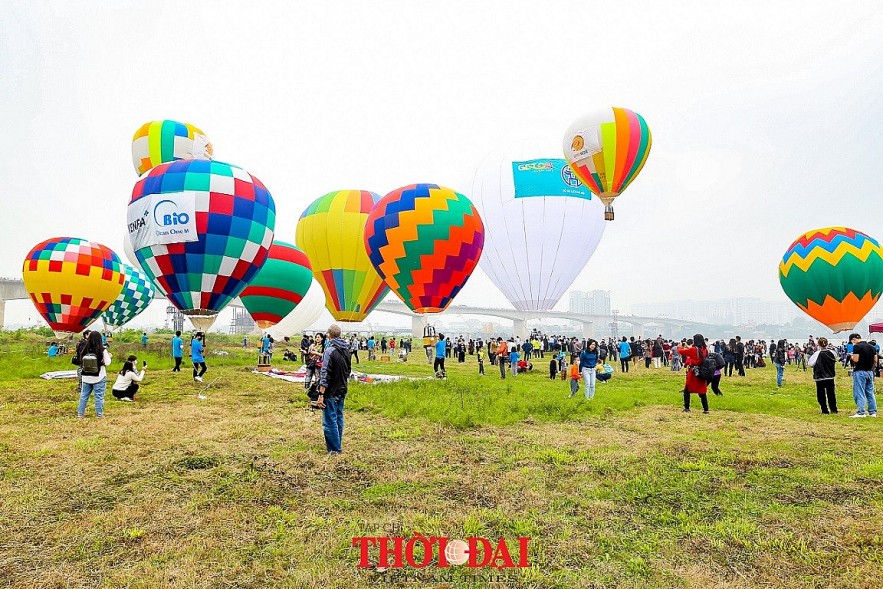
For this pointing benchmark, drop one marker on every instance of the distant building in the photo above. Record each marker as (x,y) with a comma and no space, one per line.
(739,311)
(593,302)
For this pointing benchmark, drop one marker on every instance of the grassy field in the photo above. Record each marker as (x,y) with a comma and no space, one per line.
(623,491)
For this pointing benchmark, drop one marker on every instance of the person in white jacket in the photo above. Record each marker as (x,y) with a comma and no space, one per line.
(93,361)
(126,384)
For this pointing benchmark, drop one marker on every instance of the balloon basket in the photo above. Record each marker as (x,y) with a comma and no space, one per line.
(608,212)
(264,363)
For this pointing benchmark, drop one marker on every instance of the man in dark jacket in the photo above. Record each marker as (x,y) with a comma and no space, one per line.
(333,380)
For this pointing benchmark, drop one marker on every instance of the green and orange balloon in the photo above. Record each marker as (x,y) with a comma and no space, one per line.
(835,275)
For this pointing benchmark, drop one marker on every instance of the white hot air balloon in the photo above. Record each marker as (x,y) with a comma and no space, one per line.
(541,226)
(307,312)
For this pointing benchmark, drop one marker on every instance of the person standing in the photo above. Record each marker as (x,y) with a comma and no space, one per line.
(78,351)
(588,362)
(440,350)
(333,380)
(864,359)
(693,357)
(625,352)
(657,353)
(502,356)
(574,378)
(197,356)
(94,361)
(312,358)
(779,359)
(824,362)
(740,356)
(177,351)
(730,357)
(144,339)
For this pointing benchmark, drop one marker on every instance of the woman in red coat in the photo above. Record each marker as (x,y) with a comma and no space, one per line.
(693,357)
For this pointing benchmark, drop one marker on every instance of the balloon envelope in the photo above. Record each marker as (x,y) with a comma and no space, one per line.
(606,149)
(330,231)
(307,312)
(159,142)
(71,281)
(279,286)
(541,226)
(137,294)
(834,274)
(425,241)
(201,230)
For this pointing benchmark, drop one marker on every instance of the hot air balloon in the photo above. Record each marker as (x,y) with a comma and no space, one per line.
(835,275)
(136,296)
(541,226)
(279,286)
(72,281)
(307,312)
(425,241)
(330,231)
(200,230)
(606,150)
(160,142)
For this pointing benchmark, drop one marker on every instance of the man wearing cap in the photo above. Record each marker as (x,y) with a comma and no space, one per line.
(864,359)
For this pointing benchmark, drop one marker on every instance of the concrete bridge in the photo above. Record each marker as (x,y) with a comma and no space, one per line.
(667,326)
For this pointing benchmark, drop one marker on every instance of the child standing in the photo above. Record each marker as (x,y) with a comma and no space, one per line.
(480,362)
(574,377)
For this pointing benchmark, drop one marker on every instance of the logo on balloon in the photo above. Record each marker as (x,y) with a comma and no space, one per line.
(569,177)
(165,214)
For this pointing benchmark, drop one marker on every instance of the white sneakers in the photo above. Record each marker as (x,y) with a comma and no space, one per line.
(197,378)
(864,415)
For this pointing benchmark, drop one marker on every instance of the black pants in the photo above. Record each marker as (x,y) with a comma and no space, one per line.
(826,396)
(481,366)
(553,369)
(740,366)
(129,392)
(716,384)
(647,362)
(439,365)
(177,367)
(503,363)
(624,362)
(356,354)
(728,369)
(703,398)
(201,366)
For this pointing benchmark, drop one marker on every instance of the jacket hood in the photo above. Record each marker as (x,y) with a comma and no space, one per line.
(341,344)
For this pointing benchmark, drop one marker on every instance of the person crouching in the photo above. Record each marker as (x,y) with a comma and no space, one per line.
(126,384)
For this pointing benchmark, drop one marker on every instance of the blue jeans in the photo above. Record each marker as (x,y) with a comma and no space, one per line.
(332,423)
(863,391)
(98,388)
(780,372)
(574,386)
(589,378)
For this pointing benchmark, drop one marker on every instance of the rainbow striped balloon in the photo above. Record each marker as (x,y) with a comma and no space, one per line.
(138,292)
(425,241)
(330,231)
(71,281)
(835,275)
(279,286)
(606,150)
(160,142)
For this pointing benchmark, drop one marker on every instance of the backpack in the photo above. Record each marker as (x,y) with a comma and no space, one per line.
(705,370)
(81,345)
(719,362)
(91,364)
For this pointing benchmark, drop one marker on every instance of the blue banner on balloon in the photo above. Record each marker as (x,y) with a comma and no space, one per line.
(547,177)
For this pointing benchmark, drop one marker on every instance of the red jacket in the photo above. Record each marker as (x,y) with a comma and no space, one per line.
(691,358)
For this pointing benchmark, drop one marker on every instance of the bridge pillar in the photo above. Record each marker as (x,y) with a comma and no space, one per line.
(418,322)
(2,312)
(519,328)
(589,329)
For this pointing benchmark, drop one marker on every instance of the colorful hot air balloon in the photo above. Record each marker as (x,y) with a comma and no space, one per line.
(160,142)
(606,149)
(425,241)
(279,286)
(305,314)
(72,281)
(330,231)
(835,275)
(535,212)
(201,230)
(136,296)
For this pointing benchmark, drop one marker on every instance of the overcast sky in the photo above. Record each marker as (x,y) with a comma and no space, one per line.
(767,118)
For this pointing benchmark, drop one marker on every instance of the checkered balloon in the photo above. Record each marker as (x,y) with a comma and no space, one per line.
(234,215)
(158,142)
(137,294)
(71,281)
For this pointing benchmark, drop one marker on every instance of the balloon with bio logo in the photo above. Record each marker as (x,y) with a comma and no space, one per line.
(425,241)
(834,274)
(137,294)
(71,281)
(330,233)
(279,286)
(159,142)
(606,149)
(201,230)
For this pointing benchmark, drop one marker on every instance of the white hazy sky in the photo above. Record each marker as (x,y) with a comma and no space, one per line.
(767,117)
